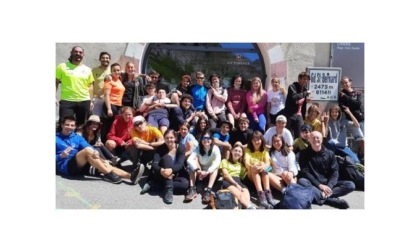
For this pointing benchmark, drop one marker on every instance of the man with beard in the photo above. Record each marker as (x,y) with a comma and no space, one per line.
(76,86)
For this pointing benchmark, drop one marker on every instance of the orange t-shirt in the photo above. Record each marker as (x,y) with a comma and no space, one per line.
(152,134)
(117,91)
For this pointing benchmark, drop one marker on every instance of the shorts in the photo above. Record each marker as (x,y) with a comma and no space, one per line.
(73,169)
(226,184)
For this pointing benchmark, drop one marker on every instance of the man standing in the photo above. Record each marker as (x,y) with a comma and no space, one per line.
(295,109)
(319,169)
(76,86)
(199,92)
(99,74)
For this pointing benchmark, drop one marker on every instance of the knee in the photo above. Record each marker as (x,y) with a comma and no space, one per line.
(304,182)
(349,186)
(110,144)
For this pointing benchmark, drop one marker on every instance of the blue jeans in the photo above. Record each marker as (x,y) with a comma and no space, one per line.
(342,151)
(343,187)
(260,126)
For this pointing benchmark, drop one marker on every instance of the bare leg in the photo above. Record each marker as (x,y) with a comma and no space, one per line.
(212,178)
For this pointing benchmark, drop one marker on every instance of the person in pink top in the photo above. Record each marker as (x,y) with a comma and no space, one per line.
(236,102)
(119,138)
(257,100)
(215,102)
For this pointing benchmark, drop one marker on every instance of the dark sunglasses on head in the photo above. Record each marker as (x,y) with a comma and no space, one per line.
(138,123)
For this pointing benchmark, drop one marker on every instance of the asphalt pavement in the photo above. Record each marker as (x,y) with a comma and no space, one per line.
(86,192)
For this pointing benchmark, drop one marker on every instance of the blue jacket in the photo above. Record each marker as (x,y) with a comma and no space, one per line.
(62,142)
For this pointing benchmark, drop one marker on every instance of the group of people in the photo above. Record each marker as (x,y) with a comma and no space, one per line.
(194,134)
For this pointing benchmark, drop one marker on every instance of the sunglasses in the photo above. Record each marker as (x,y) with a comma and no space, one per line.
(206,138)
(138,124)
(199,78)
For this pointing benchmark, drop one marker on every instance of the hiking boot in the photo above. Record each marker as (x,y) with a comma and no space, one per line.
(337,203)
(269,198)
(262,201)
(136,174)
(191,194)
(205,197)
(168,195)
(113,178)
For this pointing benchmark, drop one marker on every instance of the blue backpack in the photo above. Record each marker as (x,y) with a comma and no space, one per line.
(296,196)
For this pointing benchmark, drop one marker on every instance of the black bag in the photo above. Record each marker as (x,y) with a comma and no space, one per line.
(223,199)
(296,196)
(348,171)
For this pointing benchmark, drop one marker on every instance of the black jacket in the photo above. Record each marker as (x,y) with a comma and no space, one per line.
(294,94)
(319,167)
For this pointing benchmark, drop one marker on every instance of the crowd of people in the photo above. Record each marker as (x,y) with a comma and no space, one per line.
(198,133)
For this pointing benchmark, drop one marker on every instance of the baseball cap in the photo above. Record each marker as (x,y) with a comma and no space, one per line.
(306,127)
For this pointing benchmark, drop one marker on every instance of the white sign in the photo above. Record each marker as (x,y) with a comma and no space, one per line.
(324,83)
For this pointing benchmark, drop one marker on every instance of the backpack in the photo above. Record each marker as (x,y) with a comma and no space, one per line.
(348,171)
(223,199)
(296,196)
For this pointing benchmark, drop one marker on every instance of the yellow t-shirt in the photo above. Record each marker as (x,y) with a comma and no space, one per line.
(234,170)
(99,75)
(152,134)
(75,81)
(256,156)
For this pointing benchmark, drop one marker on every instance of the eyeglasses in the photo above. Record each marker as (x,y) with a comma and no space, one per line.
(206,138)
(199,78)
(154,77)
(138,124)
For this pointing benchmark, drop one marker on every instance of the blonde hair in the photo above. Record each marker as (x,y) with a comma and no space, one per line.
(256,97)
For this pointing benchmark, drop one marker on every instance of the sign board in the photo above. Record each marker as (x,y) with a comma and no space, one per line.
(324,83)
(350,57)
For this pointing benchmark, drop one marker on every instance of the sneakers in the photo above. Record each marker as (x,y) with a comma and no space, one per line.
(148,185)
(191,194)
(115,160)
(205,197)
(337,203)
(136,174)
(113,178)
(251,207)
(269,198)
(168,195)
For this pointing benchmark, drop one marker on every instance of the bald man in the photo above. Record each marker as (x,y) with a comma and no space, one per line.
(319,169)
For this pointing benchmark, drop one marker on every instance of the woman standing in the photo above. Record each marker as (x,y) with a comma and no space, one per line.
(215,102)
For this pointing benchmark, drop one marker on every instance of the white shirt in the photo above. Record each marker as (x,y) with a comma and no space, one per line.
(282,163)
(272,131)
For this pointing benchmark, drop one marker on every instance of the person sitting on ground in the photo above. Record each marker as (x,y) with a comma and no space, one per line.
(279,129)
(283,161)
(319,169)
(201,127)
(74,156)
(146,139)
(151,93)
(233,171)
(257,161)
(168,168)
(202,165)
(242,133)
(91,132)
(221,139)
(118,138)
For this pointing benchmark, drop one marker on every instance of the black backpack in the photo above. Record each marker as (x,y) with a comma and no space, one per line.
(348,171)
(223,199)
